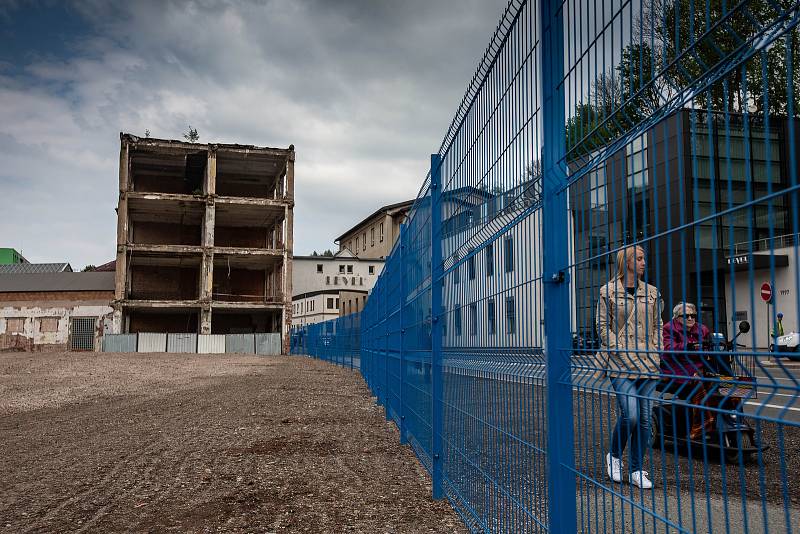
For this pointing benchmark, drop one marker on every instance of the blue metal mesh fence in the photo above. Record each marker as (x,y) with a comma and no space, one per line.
(588,321)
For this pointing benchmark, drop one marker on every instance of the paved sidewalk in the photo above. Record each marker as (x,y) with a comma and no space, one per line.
(630,509)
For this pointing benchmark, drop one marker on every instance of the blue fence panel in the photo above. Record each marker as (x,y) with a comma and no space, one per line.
(588,322)
(681,182)
(336,341)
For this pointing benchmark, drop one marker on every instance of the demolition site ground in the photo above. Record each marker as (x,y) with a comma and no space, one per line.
(202,443)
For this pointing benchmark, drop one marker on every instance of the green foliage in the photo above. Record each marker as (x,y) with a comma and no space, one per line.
(191,135)
(89,268)
(695,38)
(675,44)
(327,254)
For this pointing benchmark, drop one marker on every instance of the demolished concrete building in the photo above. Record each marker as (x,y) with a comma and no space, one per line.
(204,238)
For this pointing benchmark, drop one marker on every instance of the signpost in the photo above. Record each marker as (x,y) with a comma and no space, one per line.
(766,296)
(766,292)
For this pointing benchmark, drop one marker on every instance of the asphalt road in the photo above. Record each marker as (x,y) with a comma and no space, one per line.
(777,397)
(778,392)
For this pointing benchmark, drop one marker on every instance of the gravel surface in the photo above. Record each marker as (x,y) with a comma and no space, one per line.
(202,443)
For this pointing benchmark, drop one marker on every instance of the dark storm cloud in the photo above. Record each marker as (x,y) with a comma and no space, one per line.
(364,89)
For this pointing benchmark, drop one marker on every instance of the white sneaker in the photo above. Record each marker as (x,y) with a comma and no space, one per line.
(639,479)
(614,468)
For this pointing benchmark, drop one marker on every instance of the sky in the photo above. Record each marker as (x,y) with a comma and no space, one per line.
(364,89)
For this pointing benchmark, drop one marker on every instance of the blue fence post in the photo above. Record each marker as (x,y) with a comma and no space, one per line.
(561,502)
(386,330)
(380,376)
(436,324)
(403,292)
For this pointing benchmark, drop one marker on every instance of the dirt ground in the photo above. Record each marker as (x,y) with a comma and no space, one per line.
(202,443)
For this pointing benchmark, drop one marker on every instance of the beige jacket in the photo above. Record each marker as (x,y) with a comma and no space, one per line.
(629,326)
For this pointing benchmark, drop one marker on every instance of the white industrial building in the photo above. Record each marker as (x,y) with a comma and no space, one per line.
(319,282)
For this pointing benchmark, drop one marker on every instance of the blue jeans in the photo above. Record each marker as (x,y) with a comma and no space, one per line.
(634,398)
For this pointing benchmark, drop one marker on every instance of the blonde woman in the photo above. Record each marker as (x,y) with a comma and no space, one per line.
(630,329)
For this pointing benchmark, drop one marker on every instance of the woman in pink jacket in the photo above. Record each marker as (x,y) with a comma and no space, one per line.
(682,359)
(682,363)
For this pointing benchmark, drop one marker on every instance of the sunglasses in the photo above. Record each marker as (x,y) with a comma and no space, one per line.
(690,316)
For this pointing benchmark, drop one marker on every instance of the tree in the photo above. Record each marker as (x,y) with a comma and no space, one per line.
(691,39)
(89,268)
(147,133)
(328,253)
(589,129)
(192,136)
(674,46)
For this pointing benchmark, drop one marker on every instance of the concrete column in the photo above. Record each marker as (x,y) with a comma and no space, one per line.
(288,251)
(205,320)
(124,165)
(116,320)
(207,265)
(210,185)
(290,175)
(207,276)
(121,274)
(206,290)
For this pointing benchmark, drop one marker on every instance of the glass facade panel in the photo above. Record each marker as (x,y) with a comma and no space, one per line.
(715,167)
(636,163)
(704,237)
(597,188)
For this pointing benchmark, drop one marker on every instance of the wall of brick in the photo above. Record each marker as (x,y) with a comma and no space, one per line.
(248,237)
(162,322)
(161,184)
(34,298)
(164,283)
(228,189)
(244,323)
(241,285)
(176,173)
(152,233)
(275,283)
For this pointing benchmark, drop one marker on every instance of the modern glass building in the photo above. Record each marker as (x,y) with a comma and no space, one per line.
(672,179)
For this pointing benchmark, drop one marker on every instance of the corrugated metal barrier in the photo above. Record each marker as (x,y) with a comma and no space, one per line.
(119,343)
(152,342)
(268,344)
(260,343)
(240,343)
(182,343)
(211,344)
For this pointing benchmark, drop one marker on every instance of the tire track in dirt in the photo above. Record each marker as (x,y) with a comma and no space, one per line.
(141,454)
(185,416)
(100,513)
(93,489)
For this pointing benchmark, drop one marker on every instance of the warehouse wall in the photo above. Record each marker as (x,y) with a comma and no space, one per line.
(43,326)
